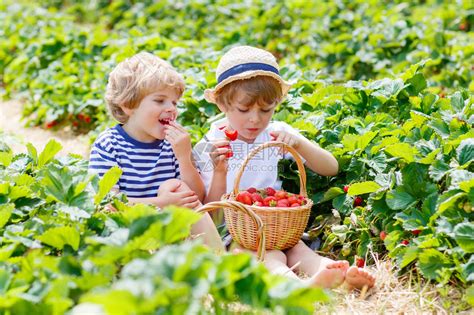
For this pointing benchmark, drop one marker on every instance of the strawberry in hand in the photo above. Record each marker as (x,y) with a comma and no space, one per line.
(231,135)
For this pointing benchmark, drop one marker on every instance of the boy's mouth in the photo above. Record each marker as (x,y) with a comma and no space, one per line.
(165,121)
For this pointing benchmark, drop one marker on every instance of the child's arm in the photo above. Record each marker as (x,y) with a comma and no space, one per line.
(317,159)
(180,141)
(218,186)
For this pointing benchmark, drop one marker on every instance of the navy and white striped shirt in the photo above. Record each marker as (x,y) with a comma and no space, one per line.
(145,166)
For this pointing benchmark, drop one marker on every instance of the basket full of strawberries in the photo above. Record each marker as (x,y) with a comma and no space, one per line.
(284,215)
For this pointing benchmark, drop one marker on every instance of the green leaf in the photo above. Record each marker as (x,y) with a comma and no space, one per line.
(365,139)
(50,150)
(464,236)
(465,151)
(468,269)
(58,237)
(409,256)
(438,170)
(399,199)
(450,202)
(363,188)
(457,102)
(5,280)
(332,193)
(430,158)
(106,183)
(5,158)
(32,152)
(402,150)
(417,84)
(470,295)
(113,302)
(431,261)
(5,213)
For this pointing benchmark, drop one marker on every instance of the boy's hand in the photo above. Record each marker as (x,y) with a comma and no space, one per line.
(187,199)
(179,139)
(219,157)
(172,196)
(292,140)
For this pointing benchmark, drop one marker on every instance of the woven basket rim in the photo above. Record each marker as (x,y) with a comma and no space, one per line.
(309,204)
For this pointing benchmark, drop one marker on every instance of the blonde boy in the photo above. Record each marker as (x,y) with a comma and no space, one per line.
(151,148)
(248,89)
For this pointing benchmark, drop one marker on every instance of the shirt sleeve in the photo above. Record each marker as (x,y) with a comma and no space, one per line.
(102,158)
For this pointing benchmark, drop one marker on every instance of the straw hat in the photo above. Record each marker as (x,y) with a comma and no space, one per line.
(244,62)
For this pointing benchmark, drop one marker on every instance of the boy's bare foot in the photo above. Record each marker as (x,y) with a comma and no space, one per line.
(330,277)
(357,278)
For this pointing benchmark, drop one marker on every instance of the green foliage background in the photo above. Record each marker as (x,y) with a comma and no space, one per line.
(386,86)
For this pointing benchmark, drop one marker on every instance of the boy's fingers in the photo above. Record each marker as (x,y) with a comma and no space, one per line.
(188,200)
(178,126)
(221,143)
(185,194)
(175,186)
(192,205)
(219,152)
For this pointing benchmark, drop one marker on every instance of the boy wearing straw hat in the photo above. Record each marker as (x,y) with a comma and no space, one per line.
(248,89)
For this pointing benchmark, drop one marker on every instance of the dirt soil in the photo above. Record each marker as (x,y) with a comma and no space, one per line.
(17,135)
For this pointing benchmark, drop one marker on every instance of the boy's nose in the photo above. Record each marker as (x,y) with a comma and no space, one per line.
(170,107)
(254,117)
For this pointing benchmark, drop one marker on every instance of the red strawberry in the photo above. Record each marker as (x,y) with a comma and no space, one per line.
(270,201)
(280,194)
(294,205)
(360,262)
(87,119)
(256,197)
(405,242)
(244,197)
(231,134)
(358,201)
(283,203)
(270,191)
(258,203)
(416,232)
(252,190)
(346,188)
(51,124)
(293,199)
(462,26)
(229,153)
(383,235)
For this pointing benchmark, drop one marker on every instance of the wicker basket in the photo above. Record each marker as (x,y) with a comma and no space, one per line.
(283,226)
(237,207)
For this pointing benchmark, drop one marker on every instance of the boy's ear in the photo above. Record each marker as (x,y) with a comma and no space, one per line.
(222,108)
(128,111)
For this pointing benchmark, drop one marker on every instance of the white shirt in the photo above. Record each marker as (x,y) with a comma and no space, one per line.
(261,171)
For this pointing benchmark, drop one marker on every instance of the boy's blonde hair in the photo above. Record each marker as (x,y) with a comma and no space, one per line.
(137,77)
(260,90)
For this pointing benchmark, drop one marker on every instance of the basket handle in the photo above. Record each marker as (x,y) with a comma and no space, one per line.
(215,205)
(299,163)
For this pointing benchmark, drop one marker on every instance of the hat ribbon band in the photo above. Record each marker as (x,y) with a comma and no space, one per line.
(238,69)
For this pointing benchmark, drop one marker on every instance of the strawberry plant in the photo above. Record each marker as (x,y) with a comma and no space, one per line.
(62,252)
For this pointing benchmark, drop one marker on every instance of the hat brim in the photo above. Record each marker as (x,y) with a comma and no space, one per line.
(210,94)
